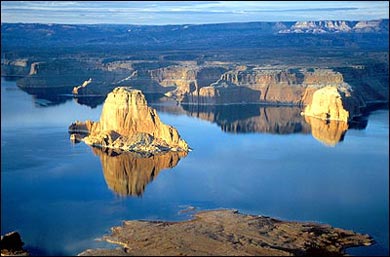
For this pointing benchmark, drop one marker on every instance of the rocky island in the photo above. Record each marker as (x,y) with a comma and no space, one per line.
(229,233)
(127,123)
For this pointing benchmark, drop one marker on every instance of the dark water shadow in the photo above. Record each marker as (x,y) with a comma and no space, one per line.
(45,97)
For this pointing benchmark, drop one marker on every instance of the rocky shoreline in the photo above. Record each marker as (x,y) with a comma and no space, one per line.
(227,233)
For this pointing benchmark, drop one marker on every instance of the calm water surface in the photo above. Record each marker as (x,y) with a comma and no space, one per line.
(61,197)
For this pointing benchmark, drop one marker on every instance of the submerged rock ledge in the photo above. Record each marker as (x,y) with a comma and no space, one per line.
(227,232)
(127,123)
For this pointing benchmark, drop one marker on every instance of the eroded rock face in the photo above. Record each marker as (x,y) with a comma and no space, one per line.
(127,173)
(272,86)
(327,104)
(129,124)
(229,233)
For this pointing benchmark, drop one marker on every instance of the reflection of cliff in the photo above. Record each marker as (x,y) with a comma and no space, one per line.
(251,118)
(91,101)
(44,97)
(129,173)
(327,132)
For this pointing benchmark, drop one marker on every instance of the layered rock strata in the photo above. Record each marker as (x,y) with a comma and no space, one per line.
(229,233)
(129,124)
(267,85)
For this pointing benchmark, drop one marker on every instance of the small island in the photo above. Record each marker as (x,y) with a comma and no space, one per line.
(127,123)
(228,233)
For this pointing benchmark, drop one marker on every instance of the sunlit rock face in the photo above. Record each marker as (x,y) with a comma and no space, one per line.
(327,104)
(127,173)
(129,124)
(327,132)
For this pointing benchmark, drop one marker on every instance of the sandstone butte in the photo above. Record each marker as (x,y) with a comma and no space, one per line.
(127,123)
(327,104)
(228,233)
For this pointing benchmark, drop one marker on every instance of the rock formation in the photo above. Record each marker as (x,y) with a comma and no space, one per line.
(229,233)
(129,124)
(327,104)
(272,86)
(76,90)
(336,26)
(11,245)
(128,173)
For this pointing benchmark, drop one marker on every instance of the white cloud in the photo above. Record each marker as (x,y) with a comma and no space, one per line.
(185,12)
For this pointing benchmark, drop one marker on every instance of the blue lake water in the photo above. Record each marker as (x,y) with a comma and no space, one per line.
(61,196)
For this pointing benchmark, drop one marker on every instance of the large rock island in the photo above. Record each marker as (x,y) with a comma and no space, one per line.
(229,233)
(127,123)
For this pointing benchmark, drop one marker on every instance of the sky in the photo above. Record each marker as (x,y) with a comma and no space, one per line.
(187,12)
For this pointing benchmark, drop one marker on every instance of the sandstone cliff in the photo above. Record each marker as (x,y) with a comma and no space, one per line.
(129,124)
(336,26)
(273,86)
(327,104)
(129,173)
(15,67)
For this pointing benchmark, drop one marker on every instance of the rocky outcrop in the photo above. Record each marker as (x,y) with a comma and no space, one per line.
(76,90)
(127,173)
(249,85)
(229,233)
(12,245)
(71,76)
(129,124)
(327,104)
(271,86)
(337,26)
(14,67)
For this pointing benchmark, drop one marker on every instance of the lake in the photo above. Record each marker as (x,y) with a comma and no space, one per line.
(260,160)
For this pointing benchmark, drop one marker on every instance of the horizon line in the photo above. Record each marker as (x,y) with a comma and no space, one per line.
(179,24)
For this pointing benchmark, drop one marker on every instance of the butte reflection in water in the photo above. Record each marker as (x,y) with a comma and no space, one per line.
(236,118)
(328,132)
(128,173)
(273,120)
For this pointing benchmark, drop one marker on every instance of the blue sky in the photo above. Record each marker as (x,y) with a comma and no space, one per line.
(187,12)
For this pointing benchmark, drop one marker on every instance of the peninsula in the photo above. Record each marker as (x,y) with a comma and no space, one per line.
(228,233)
